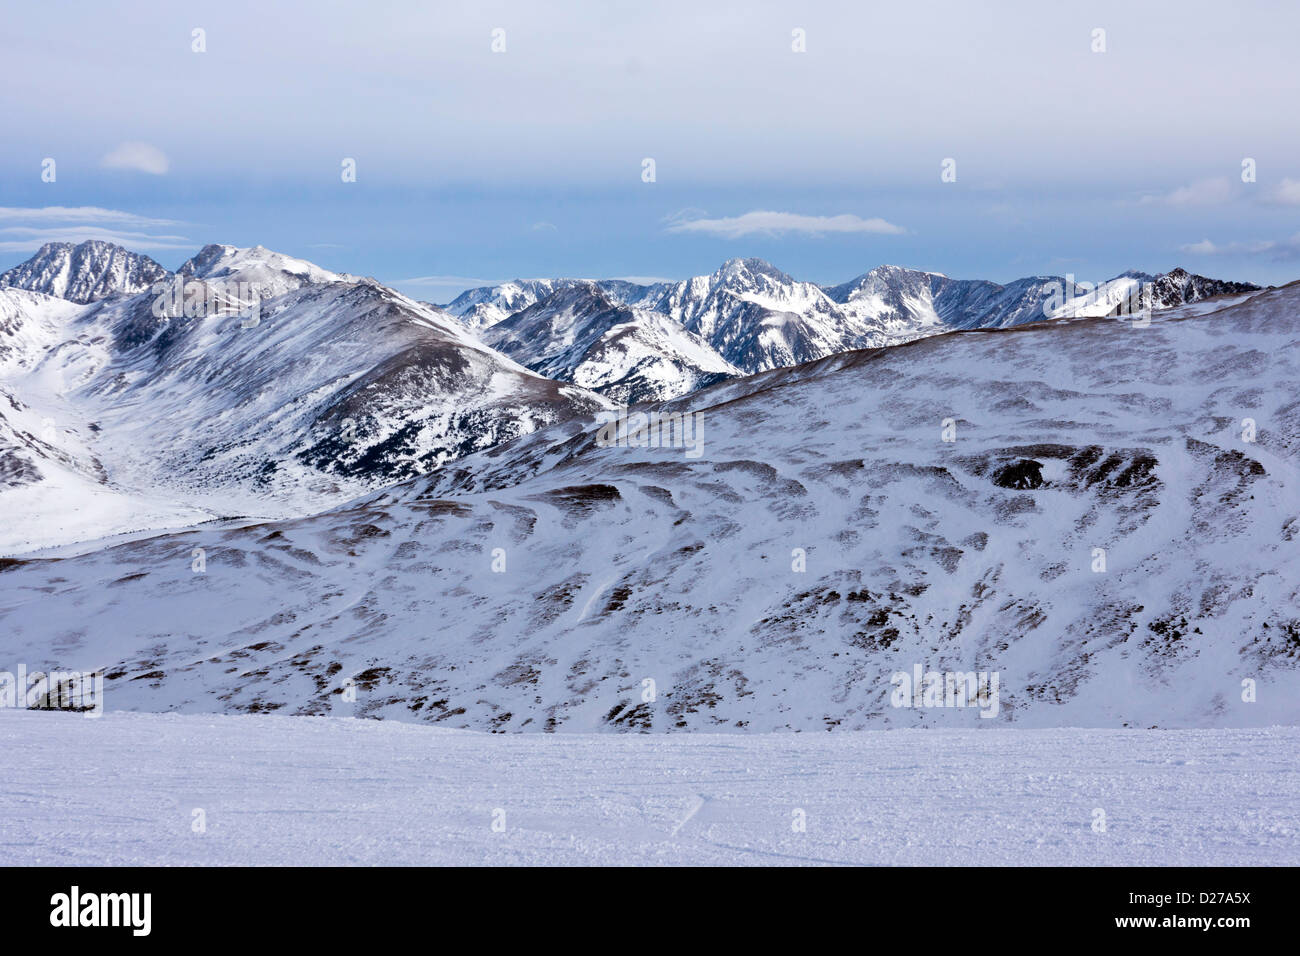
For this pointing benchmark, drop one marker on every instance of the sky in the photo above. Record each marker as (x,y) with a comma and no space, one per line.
(495,140)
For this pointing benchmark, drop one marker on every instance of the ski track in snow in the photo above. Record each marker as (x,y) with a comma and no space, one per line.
(122,789)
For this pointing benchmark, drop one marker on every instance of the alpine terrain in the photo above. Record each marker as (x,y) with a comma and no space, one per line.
(1101,510)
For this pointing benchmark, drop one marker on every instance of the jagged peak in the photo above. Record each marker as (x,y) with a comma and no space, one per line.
(84,272)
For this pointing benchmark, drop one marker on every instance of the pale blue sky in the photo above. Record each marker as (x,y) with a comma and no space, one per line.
(478,166)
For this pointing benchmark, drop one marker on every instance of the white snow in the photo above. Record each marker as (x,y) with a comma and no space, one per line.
(123,790)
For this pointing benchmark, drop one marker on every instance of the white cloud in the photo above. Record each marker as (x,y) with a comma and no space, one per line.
(1283,250)
(1288,192)
(1207,192)
(81,214)
(765,222)
(140,157)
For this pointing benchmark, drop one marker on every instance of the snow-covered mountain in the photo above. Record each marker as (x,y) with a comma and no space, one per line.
(1105,515)
(752,317)
(646,342)
(84,272)
(909,304)
(333,384)
(758,318)
(580,334)
(481,308)
(1137,291)
(125,416)
(1181,287)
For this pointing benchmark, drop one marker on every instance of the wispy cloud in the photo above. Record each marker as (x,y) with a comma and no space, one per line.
(140,157)
(1279,250)
(449,281)
(1215,192)
(81,214)
(440,288)
(32,227)
(33,239)
(1206,192)
(766,222)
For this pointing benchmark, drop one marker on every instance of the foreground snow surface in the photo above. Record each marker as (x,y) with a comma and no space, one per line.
(124,788)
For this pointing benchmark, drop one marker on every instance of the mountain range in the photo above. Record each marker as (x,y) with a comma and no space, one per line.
(152,417)
(653,342)
(345,501)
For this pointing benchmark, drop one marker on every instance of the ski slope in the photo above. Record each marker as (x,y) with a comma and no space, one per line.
(122,789)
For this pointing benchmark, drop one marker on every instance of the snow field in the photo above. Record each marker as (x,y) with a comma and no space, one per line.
(123,789)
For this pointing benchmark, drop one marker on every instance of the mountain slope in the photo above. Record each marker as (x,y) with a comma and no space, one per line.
(827,538)
(338,386)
